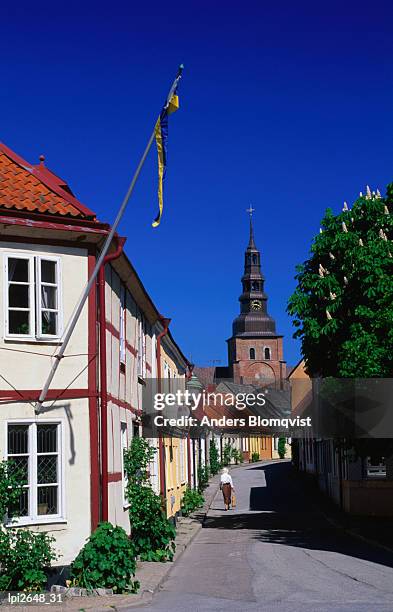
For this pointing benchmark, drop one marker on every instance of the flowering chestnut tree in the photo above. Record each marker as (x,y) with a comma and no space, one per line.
(343,303)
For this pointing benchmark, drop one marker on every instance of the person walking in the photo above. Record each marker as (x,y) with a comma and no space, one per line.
(226,486)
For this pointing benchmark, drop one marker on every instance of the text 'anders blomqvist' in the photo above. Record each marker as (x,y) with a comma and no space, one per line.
(251,421)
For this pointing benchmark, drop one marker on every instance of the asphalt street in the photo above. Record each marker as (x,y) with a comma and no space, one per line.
(277,551)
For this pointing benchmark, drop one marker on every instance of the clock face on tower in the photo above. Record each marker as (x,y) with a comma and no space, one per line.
(256,305)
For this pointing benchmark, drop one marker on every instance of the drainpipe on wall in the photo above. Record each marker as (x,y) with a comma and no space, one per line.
(103,379)
(165,323)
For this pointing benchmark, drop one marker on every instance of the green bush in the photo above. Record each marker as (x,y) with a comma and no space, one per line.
(255,457)
(11,483)
(106,561)
(203,478)
(151,532)
(191,501)
(24,555)
(215,464)
(237,455)
(227,454)
(281,447)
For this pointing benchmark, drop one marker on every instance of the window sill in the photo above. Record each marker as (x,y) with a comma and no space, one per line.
(30,340)
(26,522)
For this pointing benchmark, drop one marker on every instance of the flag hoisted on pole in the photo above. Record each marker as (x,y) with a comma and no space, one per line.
(170,106)
(161,134)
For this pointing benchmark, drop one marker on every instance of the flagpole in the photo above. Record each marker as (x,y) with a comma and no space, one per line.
(71,327)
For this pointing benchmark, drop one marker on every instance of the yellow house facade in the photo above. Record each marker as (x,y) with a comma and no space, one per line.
(175,450)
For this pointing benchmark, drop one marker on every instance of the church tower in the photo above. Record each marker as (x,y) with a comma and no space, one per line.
(255,350)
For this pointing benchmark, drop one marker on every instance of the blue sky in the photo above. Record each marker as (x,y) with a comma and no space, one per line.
(285,105)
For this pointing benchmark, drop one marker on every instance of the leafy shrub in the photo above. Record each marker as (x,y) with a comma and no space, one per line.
(281,447)
(203,478)
(106,561)
(11,483)
(152,533)
(192,500)
(227,454)
(237,455)
(255,457)
(215,464)
(23,557)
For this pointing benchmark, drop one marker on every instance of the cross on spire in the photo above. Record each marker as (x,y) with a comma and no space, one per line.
(251,243)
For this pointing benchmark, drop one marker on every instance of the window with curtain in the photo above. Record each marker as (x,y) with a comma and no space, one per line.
(35,448)
(32,297)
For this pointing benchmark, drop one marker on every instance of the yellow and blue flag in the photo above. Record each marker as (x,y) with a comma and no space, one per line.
(161,135)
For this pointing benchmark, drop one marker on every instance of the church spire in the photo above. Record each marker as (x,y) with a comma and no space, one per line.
(251,243)
(254,319)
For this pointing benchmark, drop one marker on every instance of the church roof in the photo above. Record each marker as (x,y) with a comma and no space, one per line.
(36,189)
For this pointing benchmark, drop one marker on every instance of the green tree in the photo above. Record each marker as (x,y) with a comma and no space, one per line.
(281,447)
(203,477)
(152,533)
(213,458)
(343,303)
(227,454)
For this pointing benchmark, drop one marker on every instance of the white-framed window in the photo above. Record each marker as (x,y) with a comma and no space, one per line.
(122,324)
(35,448)
(183,476)
(375,467)
(124,446)
(141,347)
(32,297)
(178,462)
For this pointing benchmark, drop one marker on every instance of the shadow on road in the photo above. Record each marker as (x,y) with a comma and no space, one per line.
(286,511)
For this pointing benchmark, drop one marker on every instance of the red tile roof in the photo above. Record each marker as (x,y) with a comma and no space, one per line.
(36,189)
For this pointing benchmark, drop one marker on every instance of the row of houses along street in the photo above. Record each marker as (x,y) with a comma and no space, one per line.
(72,450)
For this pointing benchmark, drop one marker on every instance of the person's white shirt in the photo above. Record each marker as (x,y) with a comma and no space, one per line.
(226,478)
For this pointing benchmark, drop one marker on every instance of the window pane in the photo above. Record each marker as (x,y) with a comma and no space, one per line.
(47,500)
(19,322)
(49,323)
(18,270)
(47,438)
(46,469)
(18,296)
(48,271)
(48,297)
(18,442)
